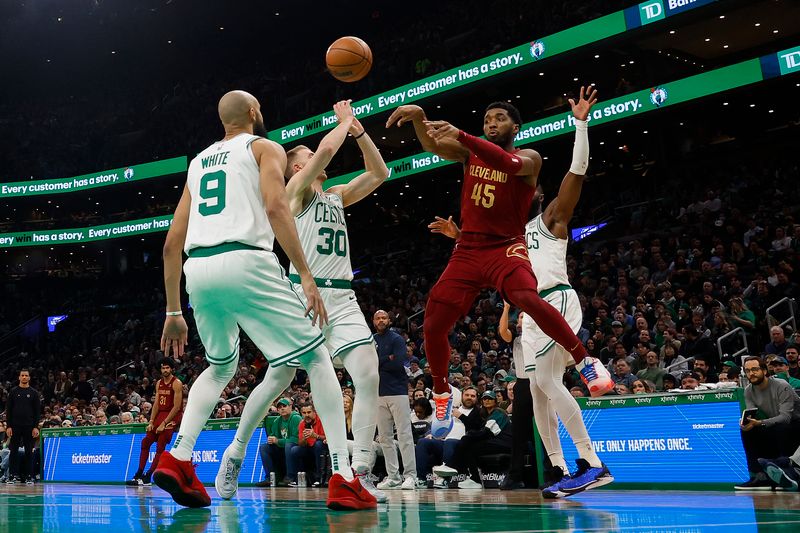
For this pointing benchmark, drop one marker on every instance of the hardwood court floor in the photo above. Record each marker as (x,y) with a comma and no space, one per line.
(118,509)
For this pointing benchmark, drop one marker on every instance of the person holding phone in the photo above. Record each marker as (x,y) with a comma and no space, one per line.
(771,424)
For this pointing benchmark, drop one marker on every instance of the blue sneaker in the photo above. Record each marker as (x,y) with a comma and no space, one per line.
(585,478)
(782,472)
(443,421)
(554,491)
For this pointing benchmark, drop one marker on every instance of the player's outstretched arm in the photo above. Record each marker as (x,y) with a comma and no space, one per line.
(375,168)
(523,163)
(444,148)
(448,228)
(558,214)
(502,327)
(175,334)
(271,161)
(328,146)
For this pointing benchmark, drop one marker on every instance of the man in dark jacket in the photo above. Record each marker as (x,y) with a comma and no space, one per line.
(22,412)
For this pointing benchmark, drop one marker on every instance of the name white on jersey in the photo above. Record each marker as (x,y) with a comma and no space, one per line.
(548,254)
(227,205)
(322,229)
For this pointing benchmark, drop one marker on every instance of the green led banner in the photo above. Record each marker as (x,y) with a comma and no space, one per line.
(546,47)
(97,179)
(90,234)
(619,108)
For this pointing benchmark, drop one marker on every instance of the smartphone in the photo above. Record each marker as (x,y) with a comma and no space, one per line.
(748,413)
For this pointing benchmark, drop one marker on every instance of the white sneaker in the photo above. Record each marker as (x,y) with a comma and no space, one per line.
(227,480)
(365,477)
(595,376)
(409,483)
(440,483)
(469,484)
(444,471)
(390,483)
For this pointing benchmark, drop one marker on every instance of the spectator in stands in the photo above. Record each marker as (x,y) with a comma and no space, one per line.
(82,389)
(125,418)
(311,447)
(792,359)
(653,372)
(493,437)
(778,344)
(282,437)
(691,381)
(775,435)
(701,365)
(393,410)
(430,451)
(622,373)
(421,418)
(413,371)
(779,368)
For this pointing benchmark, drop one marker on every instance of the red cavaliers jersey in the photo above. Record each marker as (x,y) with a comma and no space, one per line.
(494,205)
(166,400)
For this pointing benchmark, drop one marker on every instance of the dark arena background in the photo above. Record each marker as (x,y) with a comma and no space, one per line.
(684,244)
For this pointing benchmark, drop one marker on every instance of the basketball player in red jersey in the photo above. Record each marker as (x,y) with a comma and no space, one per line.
(496,196)
(165,417)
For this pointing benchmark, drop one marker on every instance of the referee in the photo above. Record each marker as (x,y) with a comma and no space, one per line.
(22,413)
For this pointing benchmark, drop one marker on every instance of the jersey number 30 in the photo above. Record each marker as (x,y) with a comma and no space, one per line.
(334,242)
(483,195)
(212,190)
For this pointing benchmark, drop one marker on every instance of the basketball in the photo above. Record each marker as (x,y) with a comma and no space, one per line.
(349,59)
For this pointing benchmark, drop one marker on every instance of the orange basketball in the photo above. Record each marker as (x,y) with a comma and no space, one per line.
(349,59)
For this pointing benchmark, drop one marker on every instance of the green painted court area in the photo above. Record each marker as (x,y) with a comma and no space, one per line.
(99,508)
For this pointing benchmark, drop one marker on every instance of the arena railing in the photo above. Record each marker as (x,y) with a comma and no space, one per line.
(772,321)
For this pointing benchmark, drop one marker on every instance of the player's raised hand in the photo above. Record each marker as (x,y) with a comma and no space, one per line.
(441,129)
(174,337)
(586,99)
(356,128)
(405,113)
(343,111)
(447,227)
(315,306)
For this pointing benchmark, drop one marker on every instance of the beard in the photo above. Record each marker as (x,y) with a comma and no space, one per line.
(259,128)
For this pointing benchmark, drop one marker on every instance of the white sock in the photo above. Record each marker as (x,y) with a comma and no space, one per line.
(203,397)
(547,424)
(362,364)
(330,407)
(549,372)
(275,381)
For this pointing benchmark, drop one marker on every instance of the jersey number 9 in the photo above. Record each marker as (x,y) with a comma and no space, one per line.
(212,189)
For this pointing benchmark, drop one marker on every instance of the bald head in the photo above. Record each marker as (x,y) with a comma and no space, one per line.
(240,110)
(380,320)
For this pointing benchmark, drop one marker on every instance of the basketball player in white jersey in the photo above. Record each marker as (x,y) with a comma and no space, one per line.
(545,361)
(322,227)
(232,208)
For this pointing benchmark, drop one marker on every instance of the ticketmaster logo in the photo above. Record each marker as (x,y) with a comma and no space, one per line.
(708,426)
(88,458)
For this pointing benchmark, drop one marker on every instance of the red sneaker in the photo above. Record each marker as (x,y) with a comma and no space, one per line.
(348,495)
(179,479)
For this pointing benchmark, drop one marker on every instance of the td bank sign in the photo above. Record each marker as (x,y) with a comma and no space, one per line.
(789,60)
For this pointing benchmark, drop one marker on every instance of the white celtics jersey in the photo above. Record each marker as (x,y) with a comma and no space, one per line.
(548,254)
(322,229)
(227,205)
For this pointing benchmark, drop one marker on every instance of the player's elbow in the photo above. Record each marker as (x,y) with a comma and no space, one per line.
(172,247)
(382,173)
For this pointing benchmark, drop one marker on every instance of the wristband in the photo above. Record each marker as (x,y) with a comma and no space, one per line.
(360,135)
(174,313)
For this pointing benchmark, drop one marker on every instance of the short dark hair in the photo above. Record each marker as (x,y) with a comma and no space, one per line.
(21,370)
(761,362)
(512,111)
(426,406)
(167,361)
(470,387)
(308,404)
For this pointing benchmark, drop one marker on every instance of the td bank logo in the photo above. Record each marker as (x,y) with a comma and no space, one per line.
(789,60)
(651,11)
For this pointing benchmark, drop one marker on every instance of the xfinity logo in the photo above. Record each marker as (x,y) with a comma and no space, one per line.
(651,11)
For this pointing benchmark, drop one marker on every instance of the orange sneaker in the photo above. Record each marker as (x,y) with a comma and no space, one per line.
(179,479)
(595,376)
(348,495)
